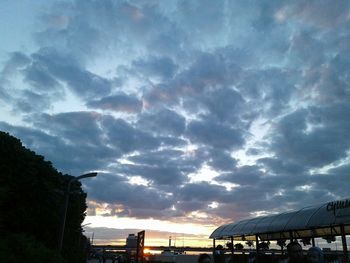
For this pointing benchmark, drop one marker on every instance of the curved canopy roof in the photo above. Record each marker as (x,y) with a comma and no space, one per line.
(314,221)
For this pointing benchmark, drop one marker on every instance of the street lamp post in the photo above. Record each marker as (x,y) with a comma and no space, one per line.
(61,234)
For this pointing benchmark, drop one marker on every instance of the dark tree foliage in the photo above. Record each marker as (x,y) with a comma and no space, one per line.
(22,248)
(239,246)
(281,243)
(306,241)
(249,243)
(264,245)
(31,203)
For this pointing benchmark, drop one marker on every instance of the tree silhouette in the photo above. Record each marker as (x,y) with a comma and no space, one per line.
(249,243)
(239,246)
(281,243)
(306,241)
(264,245)
(31,201)
(329,239)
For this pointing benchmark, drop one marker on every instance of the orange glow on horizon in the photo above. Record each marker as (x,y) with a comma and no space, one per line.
(113,230)
(178,242)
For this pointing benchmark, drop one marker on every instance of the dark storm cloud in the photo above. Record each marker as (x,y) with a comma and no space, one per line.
(76,127)
(120,103)
(16,61)
(274,86)
(68,155)
(202,191)
(278,193)
(154,158)
(207,71)
(218,159)
(132,197)
(164,121)
(332,83)
(191,205)
(30,101)
(162,165)
(98,130)
(200,196)
(325,143)
(215,135)
(31,137)
(44,72)
(43,87)
(269,194)
(243,175)
(163,67)
(127,138)
(224,104)
(334,181)
(221,160)
(259,191)
(159,174)
(169,141)
(39,77)
(279,166)
(63,67)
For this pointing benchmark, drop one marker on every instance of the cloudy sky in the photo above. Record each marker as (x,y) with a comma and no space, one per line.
(194,112)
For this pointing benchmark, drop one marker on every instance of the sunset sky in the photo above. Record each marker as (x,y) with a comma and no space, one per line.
(195,113)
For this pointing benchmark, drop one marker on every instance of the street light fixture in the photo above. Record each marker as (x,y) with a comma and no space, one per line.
(61,234)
